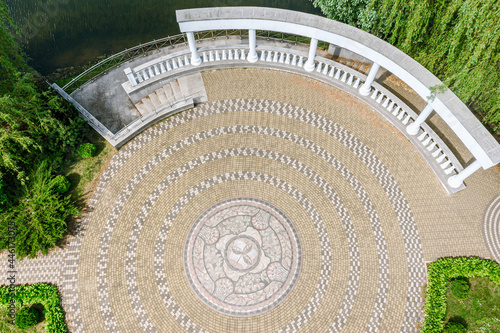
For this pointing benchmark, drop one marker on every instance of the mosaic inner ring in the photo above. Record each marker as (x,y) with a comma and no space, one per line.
(259,250)
(266,131)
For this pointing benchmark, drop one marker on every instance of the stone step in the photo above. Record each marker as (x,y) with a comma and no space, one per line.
(142,108)
(155,100)
(176,89)
(167,89)
(161,96)
(147,103)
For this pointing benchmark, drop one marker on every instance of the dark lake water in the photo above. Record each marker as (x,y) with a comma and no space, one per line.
(64,33)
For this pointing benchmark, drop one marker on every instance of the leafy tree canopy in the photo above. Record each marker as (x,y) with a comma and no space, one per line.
(457,40)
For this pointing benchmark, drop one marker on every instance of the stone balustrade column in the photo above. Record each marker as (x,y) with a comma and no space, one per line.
(414,127)
(457,180)
(252,54)
(130,76)
(309,65)
(195,58)
(367,86)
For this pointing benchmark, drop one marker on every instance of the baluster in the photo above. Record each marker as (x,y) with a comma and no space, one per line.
(157,71)
(282,58)
(332,71)
(275,58)
(217,55)
(174,64)
(263,55)
(205,57)
(294,60)
(211,56)
(337,75)
(224,55)
(162,67)
(150,71)
(269,56)
(169,68)
(325,70)
(344,77)
(236,55)
(319,67)
(301,61)
(287,59)
(350,79)
(357,83)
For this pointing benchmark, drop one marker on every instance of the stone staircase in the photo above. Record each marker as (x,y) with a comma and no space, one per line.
(160,99)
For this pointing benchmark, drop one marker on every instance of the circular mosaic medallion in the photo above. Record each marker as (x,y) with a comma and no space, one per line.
(242,257)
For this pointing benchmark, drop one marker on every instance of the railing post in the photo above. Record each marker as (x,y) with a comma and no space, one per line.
(195,58)
(414,127)
(309,65)
(457,180)
(367,86)
(252,54)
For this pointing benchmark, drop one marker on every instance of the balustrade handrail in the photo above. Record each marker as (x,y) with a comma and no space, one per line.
(446,104)
(102,66)
(135,51)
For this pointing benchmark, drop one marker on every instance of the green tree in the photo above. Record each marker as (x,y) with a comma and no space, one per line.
(11,56)
(457,40)
(40,217)
(34,123)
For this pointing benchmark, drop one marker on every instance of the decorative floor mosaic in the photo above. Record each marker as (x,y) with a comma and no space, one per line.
(297,211)
(242,256)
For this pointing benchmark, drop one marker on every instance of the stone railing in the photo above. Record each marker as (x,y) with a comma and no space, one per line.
(457,116)
(440,158)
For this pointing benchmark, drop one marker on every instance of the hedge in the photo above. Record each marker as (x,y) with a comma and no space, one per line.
(439,273)
(39,293)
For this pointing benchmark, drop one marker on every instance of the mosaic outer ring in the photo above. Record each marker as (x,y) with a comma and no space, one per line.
(491,227)
(276,297)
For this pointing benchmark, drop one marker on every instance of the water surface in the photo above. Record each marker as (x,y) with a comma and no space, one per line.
(64,33)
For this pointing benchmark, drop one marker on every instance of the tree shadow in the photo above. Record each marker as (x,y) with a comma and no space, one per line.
(458,319)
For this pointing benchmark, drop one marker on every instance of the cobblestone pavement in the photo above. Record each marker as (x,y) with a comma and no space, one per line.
(281,205)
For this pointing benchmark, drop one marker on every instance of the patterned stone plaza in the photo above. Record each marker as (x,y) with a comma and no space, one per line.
(280,205)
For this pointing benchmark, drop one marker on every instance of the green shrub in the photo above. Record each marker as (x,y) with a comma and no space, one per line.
(40,293)
(26,317)
(443,270)
(460,289)
(86,150)
(453,327)
(61,184)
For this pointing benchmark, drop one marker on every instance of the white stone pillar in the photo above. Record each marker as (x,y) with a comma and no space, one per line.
(195,58)
(367,86)
(457,180)
(252,54)
(414,127)
(309,65)
(130,76)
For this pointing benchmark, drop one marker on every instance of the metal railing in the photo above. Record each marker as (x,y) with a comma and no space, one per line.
(114,61)
(102,67)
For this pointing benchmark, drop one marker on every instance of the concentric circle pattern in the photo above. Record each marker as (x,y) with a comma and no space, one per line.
(249,215)
(242,256)
(491,227)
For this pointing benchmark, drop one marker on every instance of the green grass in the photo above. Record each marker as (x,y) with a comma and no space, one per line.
(480,312)
(83,173)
